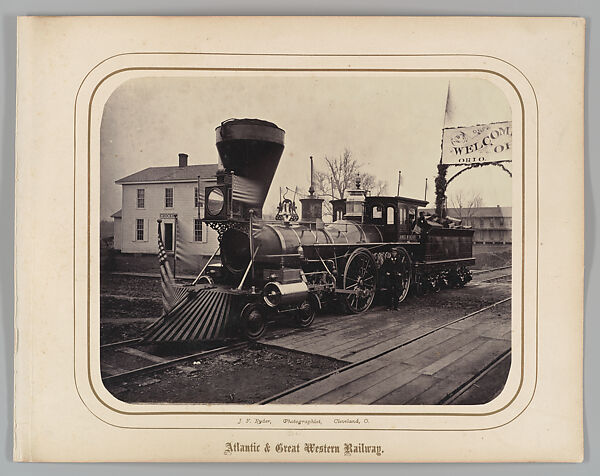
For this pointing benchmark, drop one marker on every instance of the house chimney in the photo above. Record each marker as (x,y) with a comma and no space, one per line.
(183,160)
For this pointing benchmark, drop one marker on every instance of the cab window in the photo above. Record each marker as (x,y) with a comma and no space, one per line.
(391,215)
(412,216)
(402,217)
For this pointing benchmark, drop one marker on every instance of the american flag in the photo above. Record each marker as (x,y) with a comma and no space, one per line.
(171,293)
(247,190)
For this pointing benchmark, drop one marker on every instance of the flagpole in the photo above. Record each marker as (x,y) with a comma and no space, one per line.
(399,175)
(175,249)
(440,180)
(425,189)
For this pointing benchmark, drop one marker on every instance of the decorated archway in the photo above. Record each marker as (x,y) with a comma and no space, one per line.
(468,148)
(441,182)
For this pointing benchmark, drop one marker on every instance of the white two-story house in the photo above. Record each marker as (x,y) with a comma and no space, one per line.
(170,194)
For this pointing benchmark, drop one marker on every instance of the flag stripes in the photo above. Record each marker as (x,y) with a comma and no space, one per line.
(246,190)
(171,293)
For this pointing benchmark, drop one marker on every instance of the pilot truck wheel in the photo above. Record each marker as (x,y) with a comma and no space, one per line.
(253,321)
(305,315)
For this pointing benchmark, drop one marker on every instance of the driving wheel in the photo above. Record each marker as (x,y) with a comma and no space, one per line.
(360,277)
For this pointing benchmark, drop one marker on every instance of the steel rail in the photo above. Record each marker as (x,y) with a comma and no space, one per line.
(483,271)
(461,389)
(170,363)
(120,343)
(495,278)
(376,356)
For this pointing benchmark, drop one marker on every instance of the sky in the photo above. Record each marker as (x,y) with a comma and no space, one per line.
(388,122)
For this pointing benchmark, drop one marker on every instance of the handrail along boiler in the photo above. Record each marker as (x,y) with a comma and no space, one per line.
(297,264)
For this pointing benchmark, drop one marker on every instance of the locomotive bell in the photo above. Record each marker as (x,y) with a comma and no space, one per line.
(251,149)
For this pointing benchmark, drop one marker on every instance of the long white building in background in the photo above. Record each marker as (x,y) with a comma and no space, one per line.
(170,194)
(492,225)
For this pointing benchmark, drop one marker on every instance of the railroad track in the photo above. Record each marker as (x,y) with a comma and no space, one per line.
(112,345)
(496,278)
(473,381)
(492,275)
(365,361)
(159,363)
(491,270)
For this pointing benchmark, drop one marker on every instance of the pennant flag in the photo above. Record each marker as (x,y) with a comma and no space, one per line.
(450,111)
(469,136)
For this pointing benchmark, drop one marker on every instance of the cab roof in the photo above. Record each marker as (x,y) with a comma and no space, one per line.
(395,199)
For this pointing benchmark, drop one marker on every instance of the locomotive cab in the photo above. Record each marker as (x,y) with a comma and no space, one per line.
(396,216)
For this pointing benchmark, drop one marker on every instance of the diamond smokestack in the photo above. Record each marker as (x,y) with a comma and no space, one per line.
(251,148)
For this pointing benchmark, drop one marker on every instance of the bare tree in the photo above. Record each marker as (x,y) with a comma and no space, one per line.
(373,185)
(339,174)
(465,204)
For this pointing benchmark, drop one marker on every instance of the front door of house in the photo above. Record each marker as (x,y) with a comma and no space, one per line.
(169,236)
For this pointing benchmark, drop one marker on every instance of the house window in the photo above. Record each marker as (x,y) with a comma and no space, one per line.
(168,198)
(141,195)
(139,229)
(197,230)
(196,197)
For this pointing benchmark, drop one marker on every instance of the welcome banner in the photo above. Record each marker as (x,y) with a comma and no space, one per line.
(477,144)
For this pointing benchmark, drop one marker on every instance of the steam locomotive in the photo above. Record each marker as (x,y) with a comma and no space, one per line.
(295,265)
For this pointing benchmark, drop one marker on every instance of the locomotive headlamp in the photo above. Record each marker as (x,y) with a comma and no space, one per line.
(215,201)
(272,294)
(276,294)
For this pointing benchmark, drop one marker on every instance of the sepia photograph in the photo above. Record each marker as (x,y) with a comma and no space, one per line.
(322,239)
(262,242)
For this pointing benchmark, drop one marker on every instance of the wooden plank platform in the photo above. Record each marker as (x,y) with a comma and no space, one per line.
(429,366)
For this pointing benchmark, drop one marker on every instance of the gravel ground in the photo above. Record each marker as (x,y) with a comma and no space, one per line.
(132,286)
(242,376)
(135,300)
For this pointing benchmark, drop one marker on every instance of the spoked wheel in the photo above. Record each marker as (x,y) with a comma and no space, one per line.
(403,269)
(418,285)
(455,279)
(253,321)
(360,276)
(305,315)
